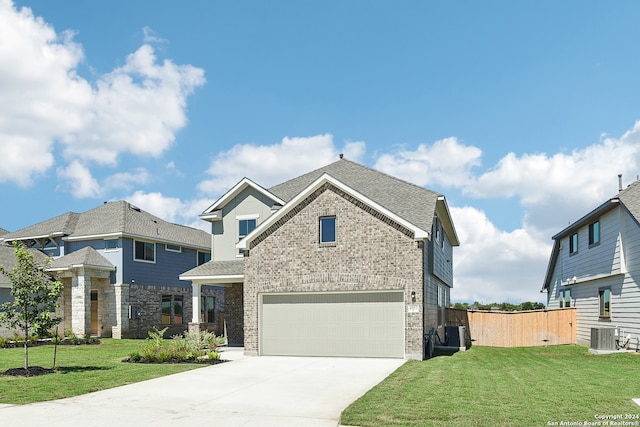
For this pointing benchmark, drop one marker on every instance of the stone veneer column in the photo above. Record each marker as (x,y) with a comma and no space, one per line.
(194,325)
(121,329)
(81,303)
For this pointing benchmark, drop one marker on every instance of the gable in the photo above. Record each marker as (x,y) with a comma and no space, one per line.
(307,197)
(358,228)
(411,202)
(237,192)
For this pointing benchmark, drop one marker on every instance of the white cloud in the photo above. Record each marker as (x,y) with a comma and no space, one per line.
(136,108)
(271,164)
(446,163)
(80,180)
(127,180)
(172,209)
(493,265)
(560,188)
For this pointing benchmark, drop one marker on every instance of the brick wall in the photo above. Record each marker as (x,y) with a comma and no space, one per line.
(371,253)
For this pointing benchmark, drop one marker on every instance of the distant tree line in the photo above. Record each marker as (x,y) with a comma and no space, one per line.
(504,306)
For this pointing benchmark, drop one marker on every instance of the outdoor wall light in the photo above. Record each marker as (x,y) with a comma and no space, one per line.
(413,296)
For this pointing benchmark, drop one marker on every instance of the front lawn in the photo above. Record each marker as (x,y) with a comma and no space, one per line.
(493,386)
(80,369)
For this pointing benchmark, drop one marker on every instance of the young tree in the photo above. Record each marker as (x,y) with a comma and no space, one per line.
(35,295)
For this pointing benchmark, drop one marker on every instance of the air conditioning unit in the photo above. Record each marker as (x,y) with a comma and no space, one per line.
(603,338)
(455,336)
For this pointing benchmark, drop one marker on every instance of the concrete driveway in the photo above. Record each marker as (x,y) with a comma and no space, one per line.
(248,391)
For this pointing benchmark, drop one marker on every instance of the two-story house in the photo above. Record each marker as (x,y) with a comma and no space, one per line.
(119,266)
(341,261)
(595,266)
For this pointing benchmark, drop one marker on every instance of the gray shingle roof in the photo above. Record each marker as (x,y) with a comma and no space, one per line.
(8,259)
(3,231)
(116,218)
(630,197)
(217,268)
(409,201)
(61,225)
(86,256)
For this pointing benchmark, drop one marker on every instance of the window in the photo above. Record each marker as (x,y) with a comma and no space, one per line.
(245,226)
(177,310)
(111,244)
(604,295)
(144,251)
(440,305)
(594,233)
(328,229)
(172,309)
(207,309)
(565,298)
(166,309)
(573,243)
(203,257)
(173,248)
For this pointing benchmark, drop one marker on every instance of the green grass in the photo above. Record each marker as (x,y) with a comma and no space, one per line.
(505,387)
(79,369)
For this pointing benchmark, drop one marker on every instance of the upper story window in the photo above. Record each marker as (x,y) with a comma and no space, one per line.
(203,257)
(111,244)
(594,233)
(604,297)
(144,251)
(573,243)
(245,226)
(327,229)
(173,248)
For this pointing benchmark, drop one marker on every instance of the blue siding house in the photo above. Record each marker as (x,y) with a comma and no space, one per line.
(120,268)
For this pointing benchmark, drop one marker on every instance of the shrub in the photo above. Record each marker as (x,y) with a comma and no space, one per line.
(213,355)
(4,342)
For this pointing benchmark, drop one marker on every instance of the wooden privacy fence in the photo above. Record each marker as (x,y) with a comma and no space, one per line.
(517,328)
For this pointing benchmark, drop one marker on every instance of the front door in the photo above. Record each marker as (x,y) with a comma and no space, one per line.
(94,312)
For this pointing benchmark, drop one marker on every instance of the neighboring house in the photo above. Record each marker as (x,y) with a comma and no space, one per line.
(119,266)
(8,260)
(595,267)
(341,261)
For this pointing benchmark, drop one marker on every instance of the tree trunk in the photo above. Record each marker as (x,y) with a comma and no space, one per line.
(26,346)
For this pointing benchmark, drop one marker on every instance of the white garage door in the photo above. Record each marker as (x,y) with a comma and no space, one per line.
(367,324)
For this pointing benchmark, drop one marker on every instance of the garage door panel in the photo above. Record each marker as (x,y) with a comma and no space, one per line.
(338,324)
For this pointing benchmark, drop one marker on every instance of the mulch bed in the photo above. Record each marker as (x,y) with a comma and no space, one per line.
(32,371)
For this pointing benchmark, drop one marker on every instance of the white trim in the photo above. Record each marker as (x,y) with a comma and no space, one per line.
(43,236)
(244,182)
(220,279)
(247,216)
(151,239)
(145,260)
(166,248)
(419,234)
(74,266)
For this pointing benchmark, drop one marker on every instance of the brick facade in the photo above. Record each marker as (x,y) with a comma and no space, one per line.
(371,252)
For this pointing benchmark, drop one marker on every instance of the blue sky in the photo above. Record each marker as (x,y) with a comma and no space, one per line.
(521,114)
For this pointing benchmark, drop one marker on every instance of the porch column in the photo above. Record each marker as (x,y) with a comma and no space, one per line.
(121,329)
(196,289)
(81,303)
